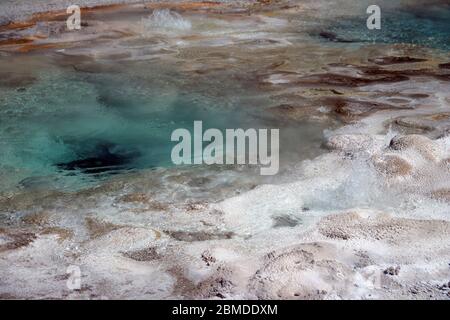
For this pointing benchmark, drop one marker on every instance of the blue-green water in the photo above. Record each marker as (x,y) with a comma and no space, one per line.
(72,127)
(68,122)
(424,25)
(67,119)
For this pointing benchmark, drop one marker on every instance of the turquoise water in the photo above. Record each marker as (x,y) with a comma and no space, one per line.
(73,127)
(424,25)
(70,122)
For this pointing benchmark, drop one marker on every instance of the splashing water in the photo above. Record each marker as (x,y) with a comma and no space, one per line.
(165,19)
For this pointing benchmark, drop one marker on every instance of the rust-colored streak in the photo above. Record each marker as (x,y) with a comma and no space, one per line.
(18,41)
(17,26)
(104,7)
(62,14)
(43,46)
(57,15)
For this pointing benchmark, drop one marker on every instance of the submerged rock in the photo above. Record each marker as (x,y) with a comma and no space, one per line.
(333,79)
(350,110)
(331,36)
(396,60)
(199,235)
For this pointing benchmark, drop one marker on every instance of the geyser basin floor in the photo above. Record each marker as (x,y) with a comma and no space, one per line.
(86,178)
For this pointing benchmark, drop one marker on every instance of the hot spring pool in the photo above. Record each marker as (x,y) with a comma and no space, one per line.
(68,127)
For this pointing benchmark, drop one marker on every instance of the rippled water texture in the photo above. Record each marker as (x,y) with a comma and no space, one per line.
(426,25)
(72,117)
(70,126)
